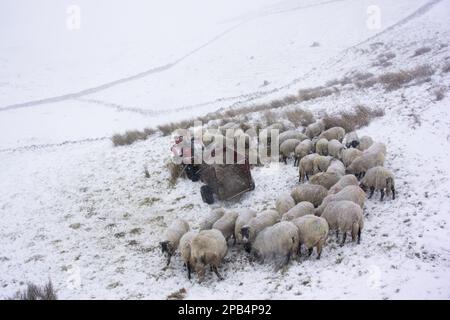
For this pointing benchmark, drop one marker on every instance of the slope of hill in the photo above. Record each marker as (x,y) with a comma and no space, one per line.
(84,215)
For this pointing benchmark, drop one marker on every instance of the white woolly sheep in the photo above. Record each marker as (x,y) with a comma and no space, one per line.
(211,218)
(325,179)
(309,192)
(367,160)
(314,129)
(277,241)
(299,210)
(208,247)
(337,133)
(284,203)
(172,237)
(245,215)
(379,178)
(377,147)
(312,232)
(288,147)
(337,167)
(255,225)
(306,167)
(364,143)
(348,155)
(351,193)
(302,150)
(321,163)
(322,147)
(351,140)
(347,180)
(185,250)
(335,148)
(226,224)
(291,134)
(344,216)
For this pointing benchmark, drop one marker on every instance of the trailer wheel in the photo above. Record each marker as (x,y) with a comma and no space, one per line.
(192,172)
(207,194)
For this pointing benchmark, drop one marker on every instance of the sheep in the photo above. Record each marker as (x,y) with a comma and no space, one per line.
(348,155)
(291,134)
(325,179)
(284,203)
(208,247)
(352,193)
(367,160)
(351,140)
(337,167)
(322,147)
(309,192)
(226,224)
(288,147)
(306,167)
(185,250)
(243,218)
(344,216)
(347,180)
(364,143)
(255,225)
(321,163)
(228,128)
(299,210)
(379,178)
(335,148)
(211,218)
(377,147)
(172,238)
(337,133)
(312,232)
(314,129)
(277,241)
(302,150)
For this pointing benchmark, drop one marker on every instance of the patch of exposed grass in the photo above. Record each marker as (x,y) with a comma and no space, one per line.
(299,117)
(421,51)
(34,292)
(132,136)
(396,80)
(352,120)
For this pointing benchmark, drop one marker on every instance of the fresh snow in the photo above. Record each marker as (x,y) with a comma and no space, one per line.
(80,212)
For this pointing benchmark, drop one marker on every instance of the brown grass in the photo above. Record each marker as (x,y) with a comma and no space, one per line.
(395,80)
(300,117)
(175,171)
(352,120)
(34,292)
(132,136)
(314,93)
(421,51)
(439,93)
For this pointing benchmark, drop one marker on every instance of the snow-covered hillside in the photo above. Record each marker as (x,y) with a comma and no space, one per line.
(81,212)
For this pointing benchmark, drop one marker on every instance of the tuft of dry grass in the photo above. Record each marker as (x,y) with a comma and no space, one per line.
(352,120)
(314,93)
(175,171)
(421,51)
(439,93)
(446,67)
(167,129)
(270,117)
(383,59)
(300,117)
(132,136)
(34,292)
(395,80)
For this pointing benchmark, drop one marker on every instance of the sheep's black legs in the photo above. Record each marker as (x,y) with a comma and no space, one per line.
(189,270)
(382,195)
(344,237)
(217,272)
(299,250)
(337,233)
(234,239)
(284,160)
(359,235)
(393,193)
(310,251)
(288,258)
(168,260)
(372,190)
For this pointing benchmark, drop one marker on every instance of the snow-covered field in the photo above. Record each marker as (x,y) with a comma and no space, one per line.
(77,210)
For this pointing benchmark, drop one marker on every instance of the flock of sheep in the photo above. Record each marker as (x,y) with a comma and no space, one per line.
(339,167)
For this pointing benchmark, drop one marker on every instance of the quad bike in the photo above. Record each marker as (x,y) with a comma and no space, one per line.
(226,181)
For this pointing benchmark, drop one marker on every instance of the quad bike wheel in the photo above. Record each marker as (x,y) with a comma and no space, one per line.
(207,194)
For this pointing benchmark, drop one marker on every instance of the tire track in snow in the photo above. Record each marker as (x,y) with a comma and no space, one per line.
(50,145)
(155,70)
(114,83)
